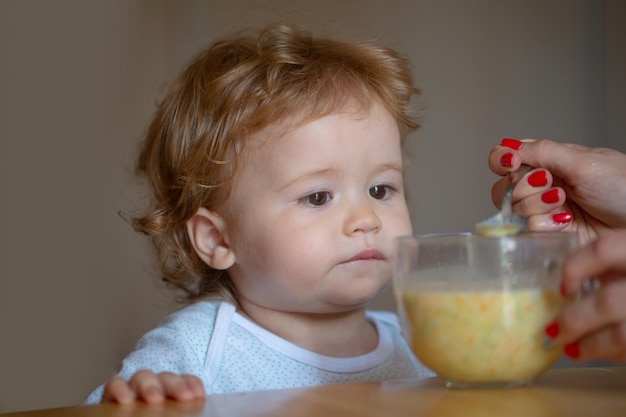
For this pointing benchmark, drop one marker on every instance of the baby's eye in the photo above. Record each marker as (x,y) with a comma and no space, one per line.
(380,192)
(318,198)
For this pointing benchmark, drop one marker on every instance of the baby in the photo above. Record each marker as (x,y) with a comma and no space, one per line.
(276,168)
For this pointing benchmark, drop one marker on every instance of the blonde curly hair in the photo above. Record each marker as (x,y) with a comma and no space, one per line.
(235,88)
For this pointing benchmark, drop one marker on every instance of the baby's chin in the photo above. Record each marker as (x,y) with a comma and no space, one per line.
(360,300)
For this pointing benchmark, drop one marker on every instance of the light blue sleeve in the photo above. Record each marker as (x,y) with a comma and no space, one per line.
(178,345)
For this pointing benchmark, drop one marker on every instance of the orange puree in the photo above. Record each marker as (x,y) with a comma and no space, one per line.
(483,336)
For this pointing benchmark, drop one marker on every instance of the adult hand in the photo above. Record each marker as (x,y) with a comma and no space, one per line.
(580,189)
(574,188)
(594,327)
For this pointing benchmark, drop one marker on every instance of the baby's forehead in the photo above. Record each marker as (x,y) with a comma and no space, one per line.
(273,132)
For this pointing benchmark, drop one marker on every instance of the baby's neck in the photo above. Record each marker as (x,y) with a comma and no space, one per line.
(344,334)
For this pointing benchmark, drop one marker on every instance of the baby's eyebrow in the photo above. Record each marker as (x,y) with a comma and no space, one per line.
(326,172)
(391,166)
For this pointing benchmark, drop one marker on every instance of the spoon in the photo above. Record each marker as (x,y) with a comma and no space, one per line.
(505,223)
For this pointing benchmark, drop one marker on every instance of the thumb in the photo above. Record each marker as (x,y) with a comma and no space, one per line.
(562,159)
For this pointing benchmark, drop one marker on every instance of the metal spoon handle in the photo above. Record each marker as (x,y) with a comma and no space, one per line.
(514,177)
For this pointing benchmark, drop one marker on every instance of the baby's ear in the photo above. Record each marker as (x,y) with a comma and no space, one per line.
(206,230)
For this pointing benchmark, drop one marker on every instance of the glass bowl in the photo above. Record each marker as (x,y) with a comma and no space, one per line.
(474,308)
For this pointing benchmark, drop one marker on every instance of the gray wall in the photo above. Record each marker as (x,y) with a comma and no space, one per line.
(78,84)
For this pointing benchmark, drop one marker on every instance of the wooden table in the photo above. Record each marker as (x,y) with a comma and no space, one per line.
(595,392)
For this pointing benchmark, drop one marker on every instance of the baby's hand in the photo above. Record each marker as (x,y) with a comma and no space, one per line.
(152,388)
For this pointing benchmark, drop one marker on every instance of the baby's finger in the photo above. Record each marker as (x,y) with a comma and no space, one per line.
(117,390)
(176,387)
(195,385)
(147,386)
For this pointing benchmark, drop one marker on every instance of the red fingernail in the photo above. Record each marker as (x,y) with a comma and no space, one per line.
(552,329)
(538,179)
(563,290)
(572,350)
(551,196)
(506,160)
(564,217)
(512,143)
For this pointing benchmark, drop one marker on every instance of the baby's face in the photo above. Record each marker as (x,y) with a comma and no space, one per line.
(313,214)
